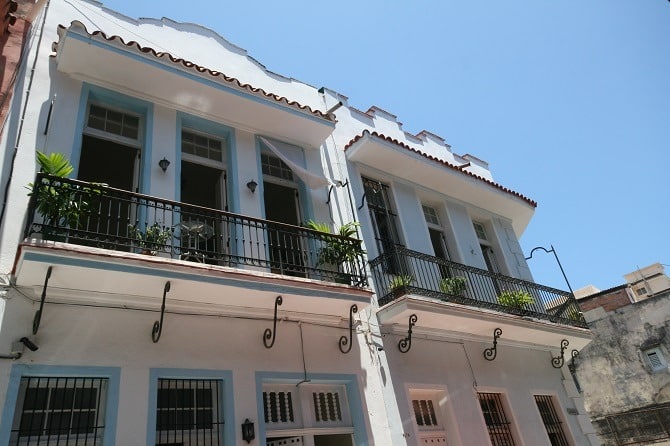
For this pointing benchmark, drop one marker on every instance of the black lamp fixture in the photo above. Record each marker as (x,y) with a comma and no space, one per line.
(248,431)
(164,163)
(252,186)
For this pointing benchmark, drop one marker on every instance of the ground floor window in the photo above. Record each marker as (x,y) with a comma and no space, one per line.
(309,414)
(428,416)
(497,423)
(60,410)
(551,420)
(188,412)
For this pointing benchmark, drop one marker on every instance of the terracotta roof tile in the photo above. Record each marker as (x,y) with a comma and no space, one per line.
(200,69)
(439,161)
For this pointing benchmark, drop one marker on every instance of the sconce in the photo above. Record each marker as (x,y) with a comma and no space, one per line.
(163,164)
(248,431)
(252,186)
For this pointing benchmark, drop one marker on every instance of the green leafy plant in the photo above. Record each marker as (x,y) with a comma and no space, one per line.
(152,239)
(515,298)
(337,250)
(401,281)
(453,285)
(60,204)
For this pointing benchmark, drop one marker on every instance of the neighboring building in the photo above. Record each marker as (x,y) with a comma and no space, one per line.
(624,371)
(176,297)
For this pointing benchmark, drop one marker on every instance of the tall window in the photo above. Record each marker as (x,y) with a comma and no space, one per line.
(60,410)
(428,417)
(486,247)
(551,420)
(311,414)
(499,427)
(384,221)
(188,412)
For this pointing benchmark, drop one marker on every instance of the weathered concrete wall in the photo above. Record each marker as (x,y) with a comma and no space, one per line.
(612,370)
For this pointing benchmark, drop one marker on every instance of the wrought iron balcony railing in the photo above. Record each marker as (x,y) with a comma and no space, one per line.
(401,271)
(96,215)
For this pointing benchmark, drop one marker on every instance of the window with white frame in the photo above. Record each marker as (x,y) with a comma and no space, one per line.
(497,423)
(655,359)
(202,146)
(115,122)
(428,416)
(309,414)
(436,232)
(60,410)
(641,291)
(188,412)
(486,247)
(553,424)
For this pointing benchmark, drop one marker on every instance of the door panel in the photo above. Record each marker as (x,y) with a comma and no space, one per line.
(285,248)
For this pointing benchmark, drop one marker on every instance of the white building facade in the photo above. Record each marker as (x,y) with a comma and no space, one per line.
(171,292)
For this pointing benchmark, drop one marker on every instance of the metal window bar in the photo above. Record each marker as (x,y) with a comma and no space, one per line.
(552,423)
(497,423)
(188,412)
(482,288)
(91,214)
(60,410)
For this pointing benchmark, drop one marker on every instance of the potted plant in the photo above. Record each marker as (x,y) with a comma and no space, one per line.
(337,251)
(453,285)
(151,240)
(398,284)
(60,204)
(515,298)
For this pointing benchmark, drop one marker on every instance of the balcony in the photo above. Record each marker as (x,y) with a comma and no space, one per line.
(105,241)
(449,296)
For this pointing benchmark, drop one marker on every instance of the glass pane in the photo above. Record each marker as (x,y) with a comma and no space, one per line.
(59,423)
(83,422)
(86,398)
(61,399)
(31,424)
(35,399)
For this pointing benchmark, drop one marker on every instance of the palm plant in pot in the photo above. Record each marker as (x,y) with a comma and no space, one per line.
(398,284)
(60,204)
(338,251)
(152,240)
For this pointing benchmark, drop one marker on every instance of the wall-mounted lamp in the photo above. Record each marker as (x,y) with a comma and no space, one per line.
(248,431)
(164,163)
(252,186)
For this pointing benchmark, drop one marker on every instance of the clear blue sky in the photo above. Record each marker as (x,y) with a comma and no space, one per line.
(569,101)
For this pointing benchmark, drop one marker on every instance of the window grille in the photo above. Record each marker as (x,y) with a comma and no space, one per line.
(188,412)
(60,410)
(383,221)
(498,425)
(275,167)
(278,407)
(552,423)
(201,145)
(424,412)
(641,291)
(112,121)
(655,359)
(327,406)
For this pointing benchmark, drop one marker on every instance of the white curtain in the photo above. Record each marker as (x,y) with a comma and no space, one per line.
(312,181)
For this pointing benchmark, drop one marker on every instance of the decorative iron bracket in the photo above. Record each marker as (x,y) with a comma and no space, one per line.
(571,364)
(558,361)
(272,334)
(158,325)
(490,353)
(38,314)
(333,186)
(345,344)
(406,343)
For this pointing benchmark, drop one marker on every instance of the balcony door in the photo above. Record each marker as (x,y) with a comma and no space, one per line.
(110,154)
(384,224)
(203,230)
(280,195)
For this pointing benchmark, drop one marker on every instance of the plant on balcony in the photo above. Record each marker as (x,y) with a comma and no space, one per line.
(398,284)
(60,204)
(338,251)
(453,285)
(515,298)
(152,239)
